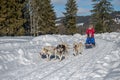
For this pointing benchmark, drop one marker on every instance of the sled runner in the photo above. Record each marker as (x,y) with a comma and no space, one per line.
(88,46)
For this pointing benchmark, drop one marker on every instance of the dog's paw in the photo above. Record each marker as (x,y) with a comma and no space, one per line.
(80,52)
(60,60)
(48,60)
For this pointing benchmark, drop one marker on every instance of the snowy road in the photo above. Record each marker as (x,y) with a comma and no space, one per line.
(86,66)
(73,68)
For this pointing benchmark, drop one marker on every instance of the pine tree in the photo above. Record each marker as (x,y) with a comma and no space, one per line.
(43,17)
(48,17)
(70,17)
(101,15)
(11,17)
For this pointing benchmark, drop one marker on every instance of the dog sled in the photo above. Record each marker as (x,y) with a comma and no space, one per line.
(90,42)
(88,46)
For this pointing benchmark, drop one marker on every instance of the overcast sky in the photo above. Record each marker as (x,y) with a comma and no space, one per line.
(84,6)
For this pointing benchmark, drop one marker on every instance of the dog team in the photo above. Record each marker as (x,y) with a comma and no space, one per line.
(61,50)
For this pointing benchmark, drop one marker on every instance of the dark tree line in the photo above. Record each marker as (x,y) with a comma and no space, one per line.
(26,17)
(35,17)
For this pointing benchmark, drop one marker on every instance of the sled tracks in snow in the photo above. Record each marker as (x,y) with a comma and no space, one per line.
(71,68)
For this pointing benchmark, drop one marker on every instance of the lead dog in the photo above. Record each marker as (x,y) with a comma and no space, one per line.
(77,48)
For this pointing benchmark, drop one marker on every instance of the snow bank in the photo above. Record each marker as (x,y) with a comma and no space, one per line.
(114,36)
(48,40)
(17,53)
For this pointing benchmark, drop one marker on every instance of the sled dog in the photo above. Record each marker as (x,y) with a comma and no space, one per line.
(61,50)
(77,48)
(48,51)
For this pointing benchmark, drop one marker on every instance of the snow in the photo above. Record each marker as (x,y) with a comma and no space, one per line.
(20,59)
(117,20)
(79,24)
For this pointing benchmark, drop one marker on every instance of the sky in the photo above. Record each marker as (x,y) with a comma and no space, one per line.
(84,6)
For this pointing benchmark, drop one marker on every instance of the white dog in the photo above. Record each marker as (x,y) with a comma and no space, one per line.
(48,51)
(77,48)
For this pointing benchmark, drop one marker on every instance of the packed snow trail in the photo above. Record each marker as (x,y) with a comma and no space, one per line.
(71,68)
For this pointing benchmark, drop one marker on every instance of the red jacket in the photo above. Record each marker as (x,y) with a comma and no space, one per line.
(90,32)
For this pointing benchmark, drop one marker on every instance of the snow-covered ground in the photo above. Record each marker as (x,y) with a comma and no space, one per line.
(20,59)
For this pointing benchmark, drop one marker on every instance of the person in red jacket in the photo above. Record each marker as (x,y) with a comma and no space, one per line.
(90,36)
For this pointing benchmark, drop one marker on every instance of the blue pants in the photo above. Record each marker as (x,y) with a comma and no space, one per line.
(90,40)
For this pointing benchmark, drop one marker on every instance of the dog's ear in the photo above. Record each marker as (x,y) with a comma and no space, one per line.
(81,43)
(46,50)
